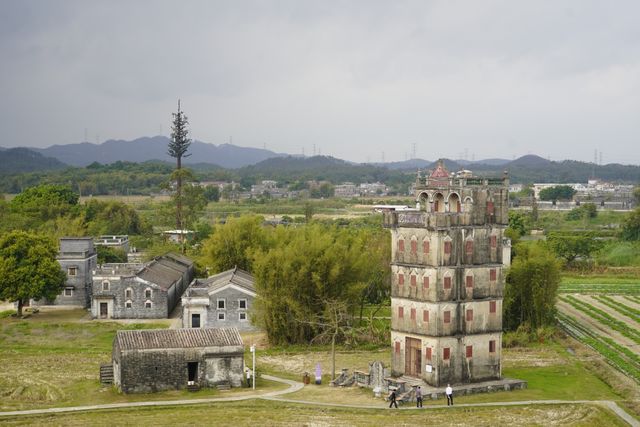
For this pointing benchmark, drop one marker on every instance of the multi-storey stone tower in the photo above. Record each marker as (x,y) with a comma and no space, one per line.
(447,279)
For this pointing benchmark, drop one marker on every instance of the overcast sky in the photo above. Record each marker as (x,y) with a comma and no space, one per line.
(360,80)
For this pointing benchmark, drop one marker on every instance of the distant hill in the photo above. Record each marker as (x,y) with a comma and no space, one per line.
(19,160)
(154,148)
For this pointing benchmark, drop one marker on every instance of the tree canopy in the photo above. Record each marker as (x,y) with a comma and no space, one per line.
(28,268)
(531,288)
(631,226)
(557,192)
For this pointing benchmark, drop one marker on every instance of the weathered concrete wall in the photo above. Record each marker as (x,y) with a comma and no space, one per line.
(79,254)
(117,293)
(231,312)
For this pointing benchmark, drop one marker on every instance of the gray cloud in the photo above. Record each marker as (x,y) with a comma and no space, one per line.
(359,78)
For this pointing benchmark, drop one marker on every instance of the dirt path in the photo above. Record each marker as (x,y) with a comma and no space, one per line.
(597,326)
(623,300)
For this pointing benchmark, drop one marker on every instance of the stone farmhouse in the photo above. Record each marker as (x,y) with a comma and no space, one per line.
(140,291)
(447,279)
(222,300)
(146,361)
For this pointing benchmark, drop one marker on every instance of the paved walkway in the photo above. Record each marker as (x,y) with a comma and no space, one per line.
(295,386)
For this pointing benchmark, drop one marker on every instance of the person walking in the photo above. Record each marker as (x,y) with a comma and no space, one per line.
(392,399)
(248,371)
(449,392)
(418,397)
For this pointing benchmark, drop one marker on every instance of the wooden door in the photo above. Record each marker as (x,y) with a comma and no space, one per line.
(104,310)
(413,357)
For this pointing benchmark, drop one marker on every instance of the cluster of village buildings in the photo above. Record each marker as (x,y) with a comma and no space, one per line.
(270,188)
(604,195)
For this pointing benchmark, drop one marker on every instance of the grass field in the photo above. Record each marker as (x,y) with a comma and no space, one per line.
(288,414)
(52,359)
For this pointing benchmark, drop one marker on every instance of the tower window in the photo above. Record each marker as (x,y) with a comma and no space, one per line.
(401,245)
(492,307)
(414,246)
(446,353)
(469,281)
(492,275)
(413,314)
(425,282)
(400,279)
(447,282)
(468,247)
(492,346)
(469,351)
(425,247)
(425,316)
(401,312)
(470,315)
(447,248)
(413,280)
(447,316)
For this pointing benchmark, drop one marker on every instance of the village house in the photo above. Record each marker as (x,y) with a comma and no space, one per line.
(77,258)
(114,242)
(145,361)
(448,258)
(222,300)
(140,291)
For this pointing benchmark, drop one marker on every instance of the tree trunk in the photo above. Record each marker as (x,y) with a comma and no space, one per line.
(20,305)
(333,356)
(179,196)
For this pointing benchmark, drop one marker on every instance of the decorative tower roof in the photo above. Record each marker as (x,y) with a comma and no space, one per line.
(440,171)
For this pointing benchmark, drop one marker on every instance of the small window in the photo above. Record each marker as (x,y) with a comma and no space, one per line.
(147,304)
(447,248)
(397,347)
(494,241)
(425,247)
(68,292)
(492,346)
(425,282)
(105,285)
(470,315)
(242,304)
(128,293)
(447,316)
(414,246)
(72,271)
(128,304)
(468,247)
(427,353)
(469,351)
(221,316)
(195,320)
(400,279)
(401,245)
(401,312)
(413,280)
(447,282)
(446,353)
(413,314)
(425,316)
(492,307)
(147,293)
(469,281)
(242,316)
(221,304)
(492,274)
(489,208)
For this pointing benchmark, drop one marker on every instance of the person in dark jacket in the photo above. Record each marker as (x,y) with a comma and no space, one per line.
(392,399)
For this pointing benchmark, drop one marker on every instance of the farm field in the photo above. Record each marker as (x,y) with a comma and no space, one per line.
(604,314)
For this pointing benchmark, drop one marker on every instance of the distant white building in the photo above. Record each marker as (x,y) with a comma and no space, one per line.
(346,189)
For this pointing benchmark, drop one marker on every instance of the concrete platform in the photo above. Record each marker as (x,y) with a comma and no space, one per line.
(505,384)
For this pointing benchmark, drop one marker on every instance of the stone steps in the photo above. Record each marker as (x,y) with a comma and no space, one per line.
(106,374)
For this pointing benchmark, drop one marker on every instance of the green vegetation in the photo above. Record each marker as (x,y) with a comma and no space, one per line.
(28,268)
(531,288)
(631,226)
(604,318)
(625,310)
(616,355)
(558,192)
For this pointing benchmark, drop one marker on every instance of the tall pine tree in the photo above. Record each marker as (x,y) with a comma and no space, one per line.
(178,147)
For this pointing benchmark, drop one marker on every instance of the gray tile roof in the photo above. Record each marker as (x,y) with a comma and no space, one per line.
(177,338)
(235,276)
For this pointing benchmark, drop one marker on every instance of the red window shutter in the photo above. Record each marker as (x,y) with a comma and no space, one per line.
(401,312)
(413,280)
(447,316)
(401,245)
(470,315)
(492,274)
(494,242)
(397,347)
(447,248)
(469,351)
(436,206)
(490,208)
(413,314)
(400,279)
(492,346)
(492,306)
(414,246)
(425,247)
(447,282)
(469,281)
(425,282)
(425,316)
(446,353)
(427,355)
(468,246)
(459,206)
